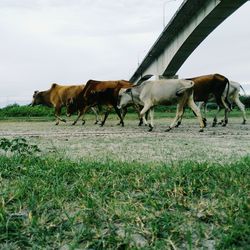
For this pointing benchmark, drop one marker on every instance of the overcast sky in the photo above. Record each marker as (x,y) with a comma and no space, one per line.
(71,41)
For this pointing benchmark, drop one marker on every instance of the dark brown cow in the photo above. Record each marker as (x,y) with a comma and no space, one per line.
(57,97)
(98,93)
(211,85)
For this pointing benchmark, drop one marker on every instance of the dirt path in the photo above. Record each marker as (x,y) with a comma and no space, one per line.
(133,143)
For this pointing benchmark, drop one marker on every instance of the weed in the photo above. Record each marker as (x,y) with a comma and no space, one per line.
(19,146)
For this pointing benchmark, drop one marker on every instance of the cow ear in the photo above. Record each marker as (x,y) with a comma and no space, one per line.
(35,92)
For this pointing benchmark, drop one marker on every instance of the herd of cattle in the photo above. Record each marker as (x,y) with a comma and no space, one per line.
(143,97)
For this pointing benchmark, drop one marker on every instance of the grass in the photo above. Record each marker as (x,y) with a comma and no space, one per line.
(51,202)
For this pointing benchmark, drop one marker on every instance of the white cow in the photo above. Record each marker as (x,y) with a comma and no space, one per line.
(233,96)
(162,92)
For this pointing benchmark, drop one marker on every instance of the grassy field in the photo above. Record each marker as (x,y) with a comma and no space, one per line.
(49,201)
(56,203)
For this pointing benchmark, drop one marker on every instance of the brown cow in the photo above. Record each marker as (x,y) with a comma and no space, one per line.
(98,93)
(211,85)
(56,97)
(233,95)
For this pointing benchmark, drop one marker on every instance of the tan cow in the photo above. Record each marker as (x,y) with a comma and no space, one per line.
(57,96)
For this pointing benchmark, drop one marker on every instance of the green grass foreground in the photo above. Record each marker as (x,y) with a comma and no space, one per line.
(53,203)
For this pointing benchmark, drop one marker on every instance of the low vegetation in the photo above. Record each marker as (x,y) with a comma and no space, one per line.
(54,203)
(25,111)
(46,113)
(18,145)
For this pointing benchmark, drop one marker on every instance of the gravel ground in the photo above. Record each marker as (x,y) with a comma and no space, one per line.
(133,143)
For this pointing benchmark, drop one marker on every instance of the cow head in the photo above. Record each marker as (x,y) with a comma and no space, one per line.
(124,99)
(37,98)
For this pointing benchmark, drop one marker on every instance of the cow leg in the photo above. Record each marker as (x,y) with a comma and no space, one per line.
(80,113)
(197,111)
(215,117)
(179,113)
(118,112)
(146,107)
(57,114)
(106,114)
(143,119)
(204,116)
(137,108)
(225,104)
(140,121)
(123,112)
(178,122)
(241,107)
(151,114)
(224,122)
(96,115)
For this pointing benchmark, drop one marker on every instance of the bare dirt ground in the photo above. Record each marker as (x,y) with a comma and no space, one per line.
(133,143)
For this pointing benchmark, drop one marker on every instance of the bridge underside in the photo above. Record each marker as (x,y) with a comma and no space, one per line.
(191,24)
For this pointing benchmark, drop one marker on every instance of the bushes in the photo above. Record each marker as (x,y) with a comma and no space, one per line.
(25,111)
(16,110)
(19,146)
(245,100)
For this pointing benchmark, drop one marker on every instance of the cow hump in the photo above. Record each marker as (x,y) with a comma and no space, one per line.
(53,85)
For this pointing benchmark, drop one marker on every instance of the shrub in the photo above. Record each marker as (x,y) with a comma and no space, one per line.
(26,111)
(18,145)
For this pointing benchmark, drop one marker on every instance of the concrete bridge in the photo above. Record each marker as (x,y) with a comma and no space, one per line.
(190,25)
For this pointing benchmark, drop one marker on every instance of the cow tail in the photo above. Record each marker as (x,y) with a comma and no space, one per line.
(226,98)
(181,90)
(243,90)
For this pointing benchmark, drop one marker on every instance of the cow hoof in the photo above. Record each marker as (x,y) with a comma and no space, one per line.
(178,124)
(204,121)
(96,122)
(244,122)
(83,122)
(57,123)
(101,125)
(150,129)
(168,129)
(224,125)
(214,124)
(201,130)
(74,123)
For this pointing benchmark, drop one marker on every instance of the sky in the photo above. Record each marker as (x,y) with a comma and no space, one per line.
(72,41)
